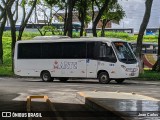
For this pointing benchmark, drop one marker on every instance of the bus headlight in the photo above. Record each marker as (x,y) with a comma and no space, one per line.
(124,67)
(129,69)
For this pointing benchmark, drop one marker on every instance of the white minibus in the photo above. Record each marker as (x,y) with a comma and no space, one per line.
(103,58)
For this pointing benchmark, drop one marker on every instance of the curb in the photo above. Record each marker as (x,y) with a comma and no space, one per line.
(97,106)
(49,103)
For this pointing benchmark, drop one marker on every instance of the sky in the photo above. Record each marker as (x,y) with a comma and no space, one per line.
(134,14)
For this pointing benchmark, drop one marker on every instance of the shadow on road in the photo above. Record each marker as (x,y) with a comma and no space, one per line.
(67,111)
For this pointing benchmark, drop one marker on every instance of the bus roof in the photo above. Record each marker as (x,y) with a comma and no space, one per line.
(56,39)
(49,37)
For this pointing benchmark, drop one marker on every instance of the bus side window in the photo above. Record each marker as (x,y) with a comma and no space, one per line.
(107,54)
(110,55)
(103,51)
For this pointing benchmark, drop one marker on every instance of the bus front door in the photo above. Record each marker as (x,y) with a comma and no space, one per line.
(91,68)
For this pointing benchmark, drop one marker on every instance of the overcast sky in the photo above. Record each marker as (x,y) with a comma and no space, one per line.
(134,14)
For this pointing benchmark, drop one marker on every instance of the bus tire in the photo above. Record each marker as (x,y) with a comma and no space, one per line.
(46,76)
(63,79)
(119,81)
(103,78)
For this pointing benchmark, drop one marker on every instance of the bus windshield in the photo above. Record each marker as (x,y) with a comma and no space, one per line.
(124,53)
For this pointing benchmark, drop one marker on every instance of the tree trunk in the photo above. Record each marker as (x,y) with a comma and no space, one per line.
(143,26)
(82,28)
(104,23)
(13,29)
(156,66)
(2,26)
(97,19)
(69,19)
(82,15)
(71,4)
(65,20)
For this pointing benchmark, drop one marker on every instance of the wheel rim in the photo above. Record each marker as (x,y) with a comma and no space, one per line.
(103,78)
(45,77)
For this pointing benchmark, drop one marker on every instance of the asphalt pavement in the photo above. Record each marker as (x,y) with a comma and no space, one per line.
(14,92)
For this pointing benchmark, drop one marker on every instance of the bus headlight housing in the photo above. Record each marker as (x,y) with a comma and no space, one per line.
(129,69)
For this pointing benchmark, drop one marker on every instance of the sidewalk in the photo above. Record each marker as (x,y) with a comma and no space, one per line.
(129,106)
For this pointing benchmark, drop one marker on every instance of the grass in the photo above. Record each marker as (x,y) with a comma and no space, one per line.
(150,75)
(5,69)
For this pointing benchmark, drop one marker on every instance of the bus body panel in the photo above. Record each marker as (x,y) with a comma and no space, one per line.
(72,68)
(92,66)
(116,71)
(56,67)
(68,68)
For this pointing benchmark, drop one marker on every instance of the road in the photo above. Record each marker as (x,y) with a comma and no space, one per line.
(14,92)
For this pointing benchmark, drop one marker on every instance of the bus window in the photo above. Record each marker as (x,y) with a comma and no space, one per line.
(92,50)
(103,51)
(107,54)
(29,51)
(74,50)
(51,50)
(124,53)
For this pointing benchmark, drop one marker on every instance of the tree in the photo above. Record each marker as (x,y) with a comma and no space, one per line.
(10,14)
(25,17)
(43,7)
(83,9)
(156,66)
(114,12)
(71,4)
(102,5)
(3,19)
(82,12)
(148,6)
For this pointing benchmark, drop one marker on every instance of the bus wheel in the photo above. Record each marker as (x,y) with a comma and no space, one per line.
(46,76)
(119,81)
(103,78)
(63,79)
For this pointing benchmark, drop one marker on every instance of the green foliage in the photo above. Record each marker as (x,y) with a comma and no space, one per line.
(150,75)
(27,35)
(113,12)
(51,2)
(5,70)
(129,37)
(76,35)
(51,29)
(115,35)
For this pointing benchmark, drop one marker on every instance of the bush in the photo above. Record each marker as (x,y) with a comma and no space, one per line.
(150,75)
(121,35)
(76,35)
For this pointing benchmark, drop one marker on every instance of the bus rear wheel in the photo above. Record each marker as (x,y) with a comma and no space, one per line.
(103,78)
(119,81)
(46,76)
